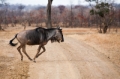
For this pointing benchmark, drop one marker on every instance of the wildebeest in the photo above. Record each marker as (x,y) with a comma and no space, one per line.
(39,36)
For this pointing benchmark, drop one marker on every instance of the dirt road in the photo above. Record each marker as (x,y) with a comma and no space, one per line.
(72,59)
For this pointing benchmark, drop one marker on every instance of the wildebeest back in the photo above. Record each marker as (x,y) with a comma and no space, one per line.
(35,37)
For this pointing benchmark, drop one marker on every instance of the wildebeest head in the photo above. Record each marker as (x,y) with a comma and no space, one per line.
(58,36)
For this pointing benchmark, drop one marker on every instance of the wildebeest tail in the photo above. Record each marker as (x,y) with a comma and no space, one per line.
(11,41)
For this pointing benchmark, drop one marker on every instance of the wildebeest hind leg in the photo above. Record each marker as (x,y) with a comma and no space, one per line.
(41,52)
(24,51)
(37,52)
(20,52)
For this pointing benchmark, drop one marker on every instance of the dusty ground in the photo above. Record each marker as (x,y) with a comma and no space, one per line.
(107,44)
(85,54)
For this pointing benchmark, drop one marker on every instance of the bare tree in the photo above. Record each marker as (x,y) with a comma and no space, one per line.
(22,20)
(2,13)
(71,14)
(49,23)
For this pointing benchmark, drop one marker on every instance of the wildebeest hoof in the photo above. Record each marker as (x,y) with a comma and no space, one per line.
(36,56)
(34,61)
(21,59)
(30,59)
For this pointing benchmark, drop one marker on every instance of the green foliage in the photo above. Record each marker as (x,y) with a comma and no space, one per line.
(92,12)
(101,9)
(101,14)
(97,7)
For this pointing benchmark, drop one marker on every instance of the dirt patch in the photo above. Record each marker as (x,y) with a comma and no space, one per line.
(69,31)
(12,69)
(107,44)
(20,71)
(10,65)
(5,66)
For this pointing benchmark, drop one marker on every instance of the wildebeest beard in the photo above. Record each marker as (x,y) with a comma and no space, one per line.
(54,40)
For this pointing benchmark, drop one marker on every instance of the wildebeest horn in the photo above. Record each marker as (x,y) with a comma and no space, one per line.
(58,27)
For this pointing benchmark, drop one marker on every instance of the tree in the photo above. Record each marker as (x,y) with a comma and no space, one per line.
(55,16)
(49,24)
(71,14)
(21,7)
(2,13)
(103,9)
(22,20)
(61,8)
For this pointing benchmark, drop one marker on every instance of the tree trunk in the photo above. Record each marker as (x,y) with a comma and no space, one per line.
(49,23)
(1,27)
(100,25)
(105,28)
(29,24)
(71,19)
(100,31)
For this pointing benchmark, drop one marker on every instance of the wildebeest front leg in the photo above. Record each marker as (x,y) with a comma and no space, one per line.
(20,52)
(24,51)
(41,52)
(37,52)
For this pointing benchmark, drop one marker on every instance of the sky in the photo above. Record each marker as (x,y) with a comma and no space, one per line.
(55,2)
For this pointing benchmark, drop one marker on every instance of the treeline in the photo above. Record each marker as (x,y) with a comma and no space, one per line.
(65,16)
